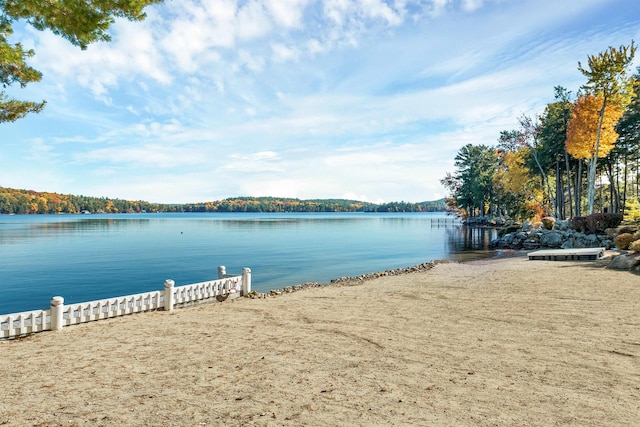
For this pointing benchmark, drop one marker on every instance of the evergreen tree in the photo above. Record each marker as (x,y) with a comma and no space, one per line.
(81,22)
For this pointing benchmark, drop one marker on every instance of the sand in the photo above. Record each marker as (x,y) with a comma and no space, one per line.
(490,342)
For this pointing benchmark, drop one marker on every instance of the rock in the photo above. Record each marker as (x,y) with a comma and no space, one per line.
(552,239)
(542,238)
(579,244)
(537,225)
(624,262)
(548,222)
(567,244)
(591,240)
(530,245)
(611,232)
(508,238)
(511,228)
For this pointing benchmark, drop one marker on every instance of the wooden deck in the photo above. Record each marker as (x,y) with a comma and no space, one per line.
(582,254)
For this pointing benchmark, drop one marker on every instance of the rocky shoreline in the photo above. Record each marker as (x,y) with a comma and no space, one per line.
(560,235)
(534,236)
(346,280)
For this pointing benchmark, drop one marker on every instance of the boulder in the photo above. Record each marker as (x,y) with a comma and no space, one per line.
(552,239)
(548,222)
(624,261)
(508,229)
(591,240)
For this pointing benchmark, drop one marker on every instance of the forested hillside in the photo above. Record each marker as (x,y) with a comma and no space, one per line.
(14,201)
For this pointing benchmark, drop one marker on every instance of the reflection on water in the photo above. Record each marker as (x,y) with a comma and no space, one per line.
(468,243)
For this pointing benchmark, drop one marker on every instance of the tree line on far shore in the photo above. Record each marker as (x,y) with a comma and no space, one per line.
(13,201)
(580,156)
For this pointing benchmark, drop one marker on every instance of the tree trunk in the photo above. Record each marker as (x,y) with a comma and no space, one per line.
(559,192)
(578,188)
(625,165)
(545,179)
(591,189)
(568,168)
(614,200)
(591,183)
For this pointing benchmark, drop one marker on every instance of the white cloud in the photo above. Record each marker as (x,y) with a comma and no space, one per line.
(256,162)
(40,150)
(155,156)
(378,9)
(287,13)
(282,53)
(471,5)
(437,7)
(252,21)
(250,61)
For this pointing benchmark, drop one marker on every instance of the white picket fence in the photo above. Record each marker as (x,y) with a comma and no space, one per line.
(60,315)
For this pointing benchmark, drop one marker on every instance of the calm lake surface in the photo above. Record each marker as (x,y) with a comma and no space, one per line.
(89,257)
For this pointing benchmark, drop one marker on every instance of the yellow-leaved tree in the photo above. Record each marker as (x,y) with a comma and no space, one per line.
(513,180)
(582,130)
(607,79)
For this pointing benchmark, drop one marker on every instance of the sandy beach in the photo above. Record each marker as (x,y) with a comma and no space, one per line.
(489,342)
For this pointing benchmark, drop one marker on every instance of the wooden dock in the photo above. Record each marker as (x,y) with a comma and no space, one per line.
(582,254)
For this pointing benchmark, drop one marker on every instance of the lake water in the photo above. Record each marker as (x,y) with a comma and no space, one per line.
(89,257)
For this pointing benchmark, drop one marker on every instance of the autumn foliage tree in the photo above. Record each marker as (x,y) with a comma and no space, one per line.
(585,125)
(607,80)
(514,185)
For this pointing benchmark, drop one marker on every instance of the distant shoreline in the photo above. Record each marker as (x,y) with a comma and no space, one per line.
(33,202)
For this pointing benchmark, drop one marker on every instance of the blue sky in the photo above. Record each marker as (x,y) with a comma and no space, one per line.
(359,99)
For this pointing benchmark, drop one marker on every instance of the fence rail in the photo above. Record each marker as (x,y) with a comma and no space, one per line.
(29,322)
(60,315)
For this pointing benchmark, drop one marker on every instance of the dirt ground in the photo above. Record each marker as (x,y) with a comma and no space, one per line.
(490,342)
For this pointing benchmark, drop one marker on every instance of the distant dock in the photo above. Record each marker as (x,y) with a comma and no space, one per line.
(445,222)
(582,254)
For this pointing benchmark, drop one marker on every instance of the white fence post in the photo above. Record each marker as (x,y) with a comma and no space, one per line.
(57,307)
(168,294)
(246,281)
(222,271)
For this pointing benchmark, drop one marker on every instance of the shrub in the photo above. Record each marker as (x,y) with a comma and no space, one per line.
(628,228)
(635,246)
(612,220)
(632,210)
(623,241)
(578,223)
(595,223)
(548,222)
